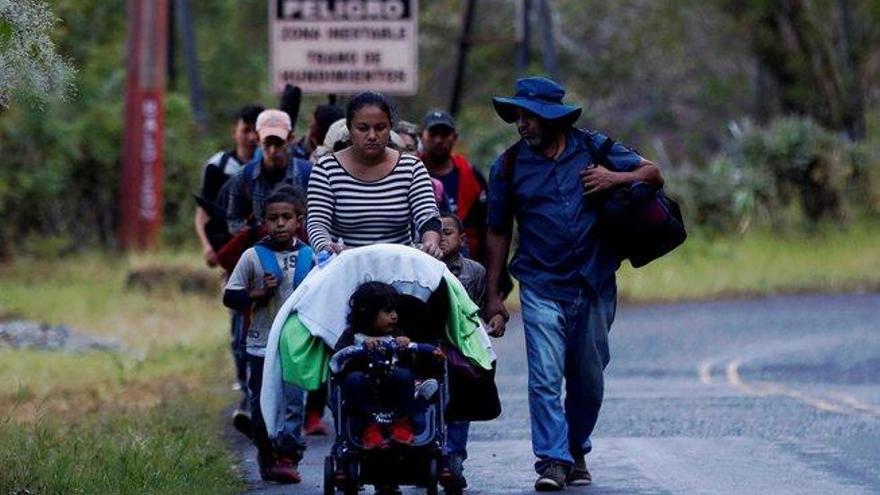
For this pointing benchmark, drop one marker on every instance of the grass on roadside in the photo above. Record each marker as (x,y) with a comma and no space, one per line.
(144,420)
(171,449)
(760,263)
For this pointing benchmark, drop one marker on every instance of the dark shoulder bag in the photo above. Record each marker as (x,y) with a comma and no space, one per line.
(639,221)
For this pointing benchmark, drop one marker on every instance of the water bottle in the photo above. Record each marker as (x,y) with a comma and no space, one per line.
(323,257)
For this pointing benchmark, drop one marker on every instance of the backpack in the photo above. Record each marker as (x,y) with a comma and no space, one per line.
(638,221)
(304,263)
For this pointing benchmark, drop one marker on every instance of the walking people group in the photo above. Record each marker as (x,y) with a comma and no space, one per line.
(367,186)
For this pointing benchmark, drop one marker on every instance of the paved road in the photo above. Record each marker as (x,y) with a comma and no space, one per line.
(778,396)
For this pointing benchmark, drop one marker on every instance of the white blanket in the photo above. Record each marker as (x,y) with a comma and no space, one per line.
(322,303)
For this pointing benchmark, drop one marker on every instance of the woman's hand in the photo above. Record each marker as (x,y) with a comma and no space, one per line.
(431,244)
(431,249)
(334,247)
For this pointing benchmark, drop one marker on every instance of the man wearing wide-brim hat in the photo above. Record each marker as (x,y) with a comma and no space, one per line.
(549,182)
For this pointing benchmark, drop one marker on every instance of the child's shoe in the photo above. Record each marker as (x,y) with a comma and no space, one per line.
(278,469)
(372,437)
(402,432)
(313,424)
(427,389)
(287,469)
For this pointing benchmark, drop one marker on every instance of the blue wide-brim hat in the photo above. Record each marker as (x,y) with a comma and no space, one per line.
(540,96)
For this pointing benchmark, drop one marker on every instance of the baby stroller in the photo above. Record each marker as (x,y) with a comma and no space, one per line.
(349,465)
(434,308)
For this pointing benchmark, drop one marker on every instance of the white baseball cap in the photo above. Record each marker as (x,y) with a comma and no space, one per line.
(273,123)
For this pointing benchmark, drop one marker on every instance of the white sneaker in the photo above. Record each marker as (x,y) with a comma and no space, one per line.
(427,389)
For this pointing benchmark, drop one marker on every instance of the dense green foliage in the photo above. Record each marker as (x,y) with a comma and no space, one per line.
(791,170)
(666,77)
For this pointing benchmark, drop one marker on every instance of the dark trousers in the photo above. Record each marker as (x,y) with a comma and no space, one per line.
(316,401)
(364,395)
(239,355)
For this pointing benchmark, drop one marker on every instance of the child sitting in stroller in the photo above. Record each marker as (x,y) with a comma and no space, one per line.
(374,361)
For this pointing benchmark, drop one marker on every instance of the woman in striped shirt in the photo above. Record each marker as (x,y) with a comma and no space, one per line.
(369,193)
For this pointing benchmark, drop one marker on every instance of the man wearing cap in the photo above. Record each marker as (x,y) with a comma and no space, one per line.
(549,183)
(464,186)
(274,165)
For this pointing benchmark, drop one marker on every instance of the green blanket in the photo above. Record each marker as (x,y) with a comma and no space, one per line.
(305,358)
(461,328)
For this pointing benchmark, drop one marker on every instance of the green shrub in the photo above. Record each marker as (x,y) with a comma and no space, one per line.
(792,172)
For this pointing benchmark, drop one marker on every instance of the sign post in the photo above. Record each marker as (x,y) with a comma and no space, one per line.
(344,46)
(141,188)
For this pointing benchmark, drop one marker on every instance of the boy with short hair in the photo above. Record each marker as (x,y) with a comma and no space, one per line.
(265,276)
(472,276)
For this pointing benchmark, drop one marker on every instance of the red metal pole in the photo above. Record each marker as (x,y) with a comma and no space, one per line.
(141,188)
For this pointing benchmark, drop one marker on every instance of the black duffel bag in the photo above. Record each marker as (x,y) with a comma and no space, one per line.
(638,221)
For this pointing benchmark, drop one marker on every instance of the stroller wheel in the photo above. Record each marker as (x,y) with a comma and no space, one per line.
(352,483)
(329,475)
(431,486)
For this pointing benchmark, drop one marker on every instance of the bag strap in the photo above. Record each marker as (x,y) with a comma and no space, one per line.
(508,162)
(599,154)
(247,175)
(224,159)
(269,262)
(305,260)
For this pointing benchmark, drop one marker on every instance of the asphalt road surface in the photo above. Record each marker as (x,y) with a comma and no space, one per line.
(770,396)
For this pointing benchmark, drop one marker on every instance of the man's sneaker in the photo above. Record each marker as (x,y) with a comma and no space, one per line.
(402,432)
(314,424)
(579,475)
(373,438)
(278,469)
(241,420)
(552,477)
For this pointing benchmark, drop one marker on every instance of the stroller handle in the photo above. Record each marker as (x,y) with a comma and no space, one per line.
(356,351)
(420,348)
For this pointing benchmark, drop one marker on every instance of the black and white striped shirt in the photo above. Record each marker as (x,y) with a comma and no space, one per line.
(362,212)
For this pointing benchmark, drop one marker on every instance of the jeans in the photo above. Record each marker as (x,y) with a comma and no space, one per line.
(566,340)
(456,438)
(289,442)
